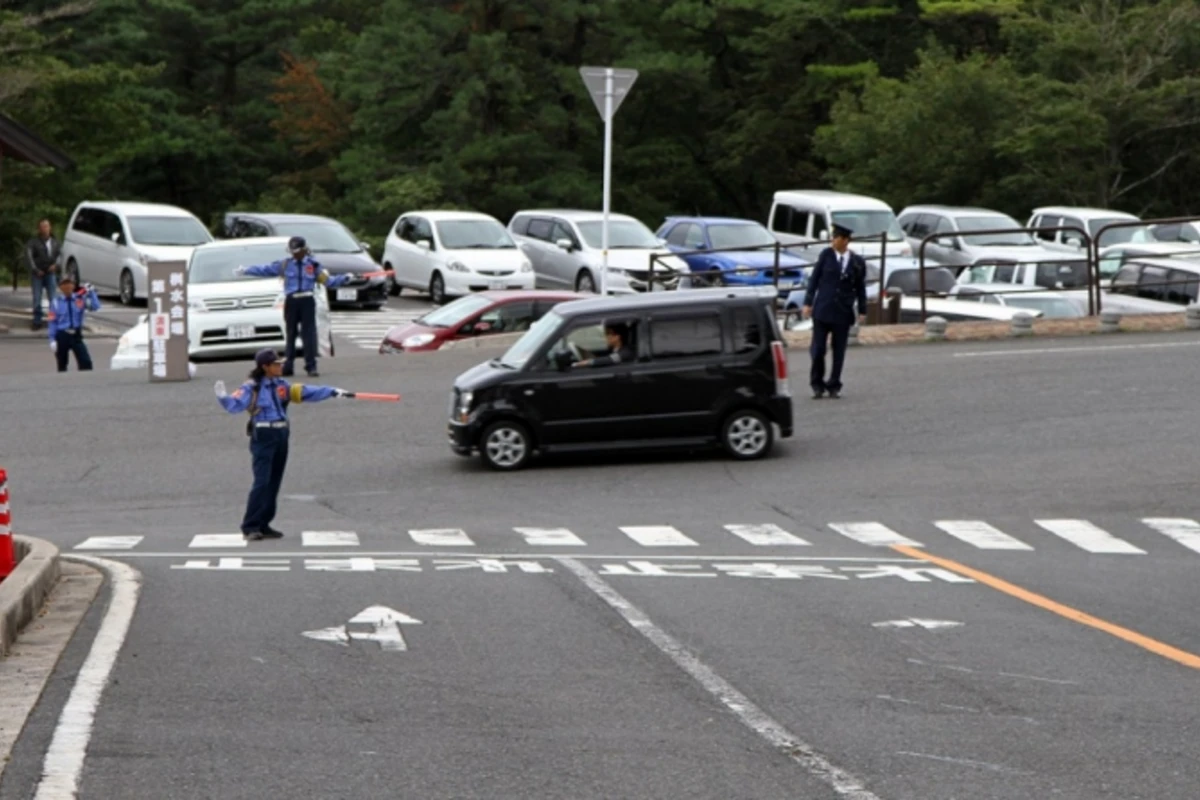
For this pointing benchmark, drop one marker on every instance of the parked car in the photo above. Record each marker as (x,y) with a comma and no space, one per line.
(745,253)
(1091,220)
(565,248)
(454,253)
(910,311)
(110,244)
(710,369)
(1111,258)
(1053,305)
(961,248)
(333,246)
(1169,232)
(482,314)
(1167,280)
(229,315)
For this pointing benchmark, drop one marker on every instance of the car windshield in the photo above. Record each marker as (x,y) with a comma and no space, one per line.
(622,233)
(1113,235)
(870,223)
(727,237)
(454,313)
(321,237)
(474,234)
(992,223)
(215,264)
(1049,306)
(180,231)
(537,335)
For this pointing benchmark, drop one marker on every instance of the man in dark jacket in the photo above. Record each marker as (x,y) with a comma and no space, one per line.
(42,253)
(616,335)
(838,282)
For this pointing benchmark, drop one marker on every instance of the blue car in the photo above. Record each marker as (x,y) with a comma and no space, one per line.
(746,246)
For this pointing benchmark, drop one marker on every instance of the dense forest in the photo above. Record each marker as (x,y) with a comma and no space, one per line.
(362,109)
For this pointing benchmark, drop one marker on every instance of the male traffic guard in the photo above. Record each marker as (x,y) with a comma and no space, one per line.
(837,283)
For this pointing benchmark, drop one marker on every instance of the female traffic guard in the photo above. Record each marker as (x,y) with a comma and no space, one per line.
(266,397)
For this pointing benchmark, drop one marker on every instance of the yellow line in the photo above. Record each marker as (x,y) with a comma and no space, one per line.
(1133,637)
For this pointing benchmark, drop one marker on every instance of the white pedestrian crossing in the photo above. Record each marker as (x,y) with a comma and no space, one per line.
(657,536)
(218,540)
(1087,536)
(109,543)
(764,535)
(442,537)
(874,534)
(980,534)
(329,539)
(1184,531)
(366,329)
(550,537)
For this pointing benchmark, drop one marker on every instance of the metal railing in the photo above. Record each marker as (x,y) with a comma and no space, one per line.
(1094,249)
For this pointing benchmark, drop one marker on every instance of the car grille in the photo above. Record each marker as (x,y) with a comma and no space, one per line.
(234,303)
(262,333)
(662,280)
(495,271)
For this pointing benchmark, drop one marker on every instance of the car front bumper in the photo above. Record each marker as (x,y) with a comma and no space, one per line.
(461,283)
(463,437)
(367,291)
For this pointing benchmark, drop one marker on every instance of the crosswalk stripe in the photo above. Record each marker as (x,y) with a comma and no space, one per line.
(329,539)
(764,535)
(1184,531)
(109,543)
(442,537)
(1087,536)
(218,540)
(657,536)
(366,329)
(872,533)
(980,534)
(550,537)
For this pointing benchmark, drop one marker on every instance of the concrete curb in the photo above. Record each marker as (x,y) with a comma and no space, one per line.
(23,593)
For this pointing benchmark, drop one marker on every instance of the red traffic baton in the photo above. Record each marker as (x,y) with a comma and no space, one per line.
(386,398)
(8,559)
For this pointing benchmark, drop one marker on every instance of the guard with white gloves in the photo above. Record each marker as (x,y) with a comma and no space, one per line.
(266,397)
(67,311)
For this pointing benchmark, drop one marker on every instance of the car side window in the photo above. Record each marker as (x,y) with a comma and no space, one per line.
(520,225)
(509,318)
(788,219)
(584,340)
(1151,283)
(685,336)
(944,225)
(695,238)
(404,229)
(1004,273)
(422,230)
(1068,222)
(255,228)
(677,234)
(747,330)
(541,229)
(1049,222)
(562,231)
(1182,288)
(85,222)
(111,224)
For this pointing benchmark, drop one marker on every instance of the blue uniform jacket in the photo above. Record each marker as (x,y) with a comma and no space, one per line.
(273,398)
(66,313)
(298,276)
(833,295)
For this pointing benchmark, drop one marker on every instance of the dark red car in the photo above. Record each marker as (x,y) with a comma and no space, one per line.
(479,314)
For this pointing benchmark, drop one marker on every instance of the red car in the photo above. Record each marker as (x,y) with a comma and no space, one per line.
(477,314)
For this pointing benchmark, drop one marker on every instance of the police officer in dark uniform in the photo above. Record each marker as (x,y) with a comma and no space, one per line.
(838,282)
(67,311)
(619,352)
(267,396)
(301,276)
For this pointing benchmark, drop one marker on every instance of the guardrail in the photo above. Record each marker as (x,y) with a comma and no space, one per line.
(1094,249)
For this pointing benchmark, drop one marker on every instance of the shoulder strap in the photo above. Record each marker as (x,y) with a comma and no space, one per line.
(253,409)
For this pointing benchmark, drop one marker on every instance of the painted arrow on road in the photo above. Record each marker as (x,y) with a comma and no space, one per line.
(913,622)
(384,627)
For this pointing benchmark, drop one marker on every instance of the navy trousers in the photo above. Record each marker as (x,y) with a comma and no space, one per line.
(300,314)
(71,343)
(840,335)
(268,452)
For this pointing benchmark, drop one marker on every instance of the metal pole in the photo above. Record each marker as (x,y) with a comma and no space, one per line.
(608,115)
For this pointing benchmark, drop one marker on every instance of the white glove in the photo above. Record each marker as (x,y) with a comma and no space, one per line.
(340,393)
(219,388)
(54,347)
(239,270)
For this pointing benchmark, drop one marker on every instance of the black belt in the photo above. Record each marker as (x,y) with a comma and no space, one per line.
(282,424)
(69,330)
(301,294)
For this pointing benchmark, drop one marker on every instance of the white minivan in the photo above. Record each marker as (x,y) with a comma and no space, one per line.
(806,216)
(109,245)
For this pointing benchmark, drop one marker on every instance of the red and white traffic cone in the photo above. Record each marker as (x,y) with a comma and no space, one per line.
(8,559)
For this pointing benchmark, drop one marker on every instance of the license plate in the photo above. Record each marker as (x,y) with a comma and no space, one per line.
(241,331)
(347,295)
(496,284)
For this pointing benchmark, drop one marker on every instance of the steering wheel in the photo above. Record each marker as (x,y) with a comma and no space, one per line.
(576,353)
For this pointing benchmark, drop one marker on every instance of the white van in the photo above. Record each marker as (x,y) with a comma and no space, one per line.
(808,215)
(1091,220)
(110,244)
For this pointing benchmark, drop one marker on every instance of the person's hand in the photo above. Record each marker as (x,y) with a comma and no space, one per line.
(53,347)
(806,312)
(53,269)
(340,393)
(862,320)
(219,389)
(239,270)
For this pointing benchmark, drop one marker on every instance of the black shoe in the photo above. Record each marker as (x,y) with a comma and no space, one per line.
(314,374)
(270,533)
(834,394)
(818,394)
(252,536)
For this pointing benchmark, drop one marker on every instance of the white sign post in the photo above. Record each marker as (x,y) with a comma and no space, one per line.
(608,87)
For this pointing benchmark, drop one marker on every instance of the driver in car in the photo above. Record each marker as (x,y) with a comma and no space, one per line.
(619,352)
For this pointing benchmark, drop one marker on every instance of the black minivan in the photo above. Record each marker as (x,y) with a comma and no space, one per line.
(702,367)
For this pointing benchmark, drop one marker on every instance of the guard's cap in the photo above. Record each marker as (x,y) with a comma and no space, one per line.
(66,278)
(266,357)
(296,243)
(842,230)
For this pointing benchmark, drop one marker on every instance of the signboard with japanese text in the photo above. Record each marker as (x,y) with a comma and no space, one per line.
(167,317)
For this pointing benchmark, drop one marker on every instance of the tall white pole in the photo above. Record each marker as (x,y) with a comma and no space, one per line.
(608,115)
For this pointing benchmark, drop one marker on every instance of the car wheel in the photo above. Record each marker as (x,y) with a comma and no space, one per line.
(715,278)
(585,283)
(437,289)
(747,434)
(394,289)
(505,445)
(73,271)
(791,319)
(126,293)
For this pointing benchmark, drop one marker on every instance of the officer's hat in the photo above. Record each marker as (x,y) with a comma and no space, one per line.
(66,278)
(841,230)
(266,357)
(297,243)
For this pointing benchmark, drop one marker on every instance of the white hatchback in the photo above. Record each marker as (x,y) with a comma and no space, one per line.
(230,315)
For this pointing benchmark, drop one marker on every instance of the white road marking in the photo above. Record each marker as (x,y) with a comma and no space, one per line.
(366,329)
(550,537)
(532,555)
(1184,531)
(657,536)
(1086,349)
(442,537)
(872,533)
(843,783)
(109,543)
(1087,536)
(765,535)
(329,539)
(980,534)
(218,540)
(63,764)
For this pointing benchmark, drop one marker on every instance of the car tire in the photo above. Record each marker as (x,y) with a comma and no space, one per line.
(394,289)
(127,293)
(73,270)
(505,446)
(437,289)
(714,278)
(791,318)
(585,283)
(746,435)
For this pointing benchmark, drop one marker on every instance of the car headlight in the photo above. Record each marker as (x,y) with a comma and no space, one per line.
(464,405)
(146,260)
(195,304)
(526,266)
(457,266)
(123,342)
(417,340)
(616,271)
(906,250)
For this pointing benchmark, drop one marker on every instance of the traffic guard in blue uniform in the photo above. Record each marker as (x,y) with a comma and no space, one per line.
(301,276)
(67,311)
(267,396)
(837,283)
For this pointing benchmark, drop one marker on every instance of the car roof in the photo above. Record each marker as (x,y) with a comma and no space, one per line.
(576,214)
(1003,288)
(509,295)
(1083,211)
(1151,248)
(666,299)
(1167,263)
(444,215)
(835,201)
(221,243)
(955,211)
(123,207)
(715,220)
(933,305)
(281,217)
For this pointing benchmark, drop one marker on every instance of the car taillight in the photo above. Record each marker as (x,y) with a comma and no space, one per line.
(779,356)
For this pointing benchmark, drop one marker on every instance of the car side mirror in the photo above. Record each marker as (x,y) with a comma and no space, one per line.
(1074,241)
(365,246)
(424,244)
(822,235)
(565,244)
(116,237)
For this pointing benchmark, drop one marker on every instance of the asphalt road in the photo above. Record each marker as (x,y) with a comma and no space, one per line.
(581,659)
